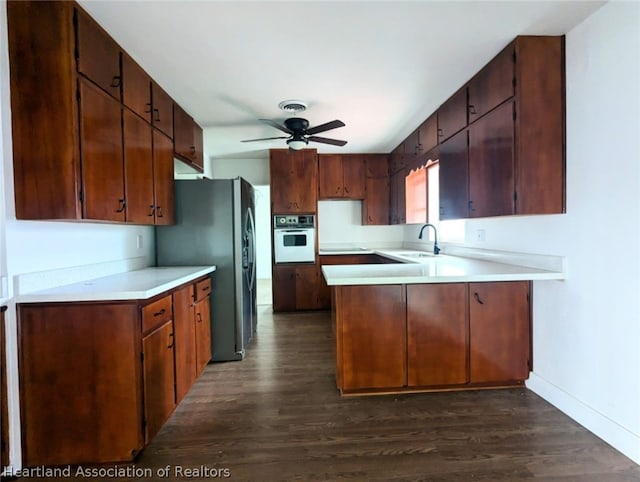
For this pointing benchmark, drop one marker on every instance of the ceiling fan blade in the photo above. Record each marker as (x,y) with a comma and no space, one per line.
(265,139)
(276,125)
(325,127)
(325,140)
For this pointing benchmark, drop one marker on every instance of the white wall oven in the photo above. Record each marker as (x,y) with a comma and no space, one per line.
(294,238)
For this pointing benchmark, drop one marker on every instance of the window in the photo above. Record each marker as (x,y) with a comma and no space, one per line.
(416,196)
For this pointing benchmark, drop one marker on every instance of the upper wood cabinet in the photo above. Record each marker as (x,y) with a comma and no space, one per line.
(375,208)
(138,162)
(397,199)
(411,148)
(454,177)
(493,84)
(452,115)
(98,55)
(491,164)
(376,165)
(102,163)
(164,200)
(162,113)
(187,137)
(75,100)
(428,134)
(294,181)
(397,159)
(136,88)
(341,176)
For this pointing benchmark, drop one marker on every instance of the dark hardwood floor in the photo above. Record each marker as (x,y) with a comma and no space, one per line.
(277,416)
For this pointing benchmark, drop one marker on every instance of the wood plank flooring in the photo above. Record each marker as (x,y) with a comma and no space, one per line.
(277,416)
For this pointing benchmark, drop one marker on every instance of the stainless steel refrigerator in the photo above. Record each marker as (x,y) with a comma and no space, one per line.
(215,226)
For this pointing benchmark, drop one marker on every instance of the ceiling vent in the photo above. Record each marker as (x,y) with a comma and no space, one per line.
(293,106)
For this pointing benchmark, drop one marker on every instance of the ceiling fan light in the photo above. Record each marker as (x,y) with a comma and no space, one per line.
(297,144)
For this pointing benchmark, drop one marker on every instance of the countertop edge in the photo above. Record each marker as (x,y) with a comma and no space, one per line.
(111,295)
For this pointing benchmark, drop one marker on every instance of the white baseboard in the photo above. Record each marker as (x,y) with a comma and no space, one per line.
(611,432)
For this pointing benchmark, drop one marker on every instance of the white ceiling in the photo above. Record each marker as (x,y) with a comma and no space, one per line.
(380,67)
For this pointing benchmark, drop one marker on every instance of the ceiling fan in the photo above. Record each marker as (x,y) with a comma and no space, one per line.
(300,133)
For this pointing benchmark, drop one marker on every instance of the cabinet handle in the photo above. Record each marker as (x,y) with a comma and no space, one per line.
(296,204)
(153,208)
(346,190)
(440,133)
(160,313)
(471,208)
(193,149)
(472,110)
(477,297)
(157,116)
(115,82)
(123,204)
(170,340)
(441,210)
(199,320)
(160,214)
(148,108)
(205,288)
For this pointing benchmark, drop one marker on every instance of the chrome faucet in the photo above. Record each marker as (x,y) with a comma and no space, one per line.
(436,249)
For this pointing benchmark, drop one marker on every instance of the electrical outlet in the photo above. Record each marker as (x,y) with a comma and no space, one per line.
(480,236)
(139,241)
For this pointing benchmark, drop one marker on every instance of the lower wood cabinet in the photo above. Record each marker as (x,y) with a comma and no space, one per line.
(159,378)
(99,379)
(296,287)
(437,334)
(432,336)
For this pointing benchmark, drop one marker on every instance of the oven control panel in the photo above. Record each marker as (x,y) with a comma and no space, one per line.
(293,221)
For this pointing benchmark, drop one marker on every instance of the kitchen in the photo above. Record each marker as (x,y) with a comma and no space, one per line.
(585,330)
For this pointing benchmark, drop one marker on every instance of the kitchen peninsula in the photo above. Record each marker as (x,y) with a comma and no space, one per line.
(430,322)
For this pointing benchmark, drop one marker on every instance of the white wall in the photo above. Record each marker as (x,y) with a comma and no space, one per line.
(41,246)
(256,171)
(586,329)
(340,222)
(263,232)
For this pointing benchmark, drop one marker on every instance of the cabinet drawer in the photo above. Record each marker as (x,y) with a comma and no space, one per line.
(203,289)
(156,313)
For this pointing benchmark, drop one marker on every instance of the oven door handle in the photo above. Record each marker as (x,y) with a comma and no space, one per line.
(294,231)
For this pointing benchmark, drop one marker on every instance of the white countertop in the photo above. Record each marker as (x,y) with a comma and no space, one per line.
(422,267)
(131,285)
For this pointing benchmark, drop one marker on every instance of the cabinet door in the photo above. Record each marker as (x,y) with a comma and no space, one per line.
(308,288)
(376,165)
(136,88)
(183,133)
(138,163)
(396,159)
(500,330)
(163,179)
(492,85)
(294,181)
(453,177)
(203,333)
(397,202)
(330,176)
(185,340)
(162,114)
(353,177)
(101,154)
(372,358)
(452,115)
(437,334)
(491,164)
(375,208)
(428,134)
(198,157)
(80,383)
(98,55)
(159,378)
(284,288)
